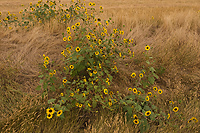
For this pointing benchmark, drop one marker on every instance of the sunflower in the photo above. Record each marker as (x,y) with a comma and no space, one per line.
(134,90)
(133,75)
(97,53)
(68,16)
(149,94)
(102,34)
(159,91)
(101,7)
(69,38)
(46,58)
(100,41)
(64,80)
(135,116)
(88,37)
(148,113)
(83,94)
(77,104)
(89,105)
(80,105)
(68,32)
(130,89)
(54,72)
(194,119)
(49,116)
(168,116)
(61,94)
(73,27)
(77,24)
(90,4)
(147,98)
(110,103)
(64,39)
(111,93)
(147,47)
(95,72)
(140,75)
(189,120)
(59,113)
(155,88)
(171,102)
(50,111)
(94,4)
(77,49)
(136,121)
(107,23)
(139,92)
(175,109)
(71,67)
(71,94)
(105,91)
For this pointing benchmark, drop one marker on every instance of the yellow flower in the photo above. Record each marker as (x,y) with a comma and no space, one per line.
(102,34)
(120,54)
(99,23)
(133,75)
(149,94)
(175,109)
(49,116)
(100,41)
(130,89)
(106,91)
(90,74)
(50,74)
(171,102)
(136,121)
(54,72)
(68,29)
(147,98)
(50,111)
(135,116)
(139,92)
(134,90)
(147,47)
(97,52)
(94,4)
(72,94)
(59,113)
(168,116)
(69,38)
(95,72)
(89,105)
(61,94)
(140,75)
(77,104)
(71,67)
(64,39)
(68,16)
(6,18)
(194,119)
(77,24)
(101,7)
(148,113)
(64,80)
(83,94)
(107,23)
(80,105)
(110,103)
(88,37)
(77,49)
(73,27)
(155,88)
(159,91)
(90,4)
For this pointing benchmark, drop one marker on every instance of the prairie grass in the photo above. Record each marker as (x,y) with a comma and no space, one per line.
(172,28)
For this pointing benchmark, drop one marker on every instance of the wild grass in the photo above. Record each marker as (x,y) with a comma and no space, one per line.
(172,28)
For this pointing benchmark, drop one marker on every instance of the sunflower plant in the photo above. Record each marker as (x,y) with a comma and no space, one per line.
(90,63)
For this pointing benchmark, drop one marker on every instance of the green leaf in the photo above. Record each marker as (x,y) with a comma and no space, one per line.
(152,69)
(144,126)
(57,107)
(45,86)
(41,81)
(151,80)
(51,101)
(94,103)
(52,88)
(147,62)
(40,76)
(38,87)
(81,58)
(155,75)
(147,107)
(138,107)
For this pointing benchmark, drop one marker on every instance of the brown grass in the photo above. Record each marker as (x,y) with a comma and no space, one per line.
(174,34)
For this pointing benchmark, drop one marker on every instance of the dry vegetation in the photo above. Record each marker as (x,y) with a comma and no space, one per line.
(174,34)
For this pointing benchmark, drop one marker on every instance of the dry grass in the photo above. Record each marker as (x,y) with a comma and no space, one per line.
(174,34)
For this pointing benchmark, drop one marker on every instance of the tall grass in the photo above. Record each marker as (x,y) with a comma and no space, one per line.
(171,28)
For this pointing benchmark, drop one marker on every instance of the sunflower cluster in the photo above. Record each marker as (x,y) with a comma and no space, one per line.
(50,112)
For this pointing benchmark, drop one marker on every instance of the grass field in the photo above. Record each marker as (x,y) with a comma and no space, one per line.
(170,27)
